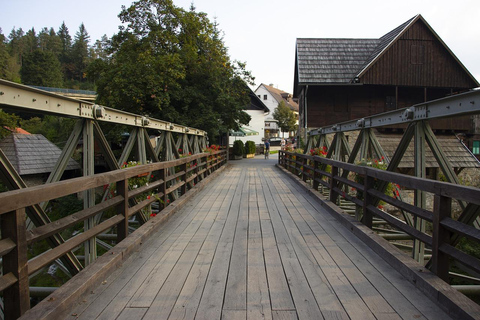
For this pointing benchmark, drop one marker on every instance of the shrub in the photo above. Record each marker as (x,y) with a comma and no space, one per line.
(250,147)
(238,148)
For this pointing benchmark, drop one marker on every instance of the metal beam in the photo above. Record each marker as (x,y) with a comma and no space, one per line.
(457,105)
(17,96)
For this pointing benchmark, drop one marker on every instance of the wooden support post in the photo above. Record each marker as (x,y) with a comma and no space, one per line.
(16,297)
(315,174)
(183,188)
(367,200)
(122,227)
(163,187)
(304,169)
(333,184)
(442,207)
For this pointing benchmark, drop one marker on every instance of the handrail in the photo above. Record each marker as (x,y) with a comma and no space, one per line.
(188,170)
(313,169)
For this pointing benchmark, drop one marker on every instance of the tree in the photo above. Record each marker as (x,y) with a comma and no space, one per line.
(172,64)
(286,118)
(7,120)
(41,68)
(3,56)
(80,53)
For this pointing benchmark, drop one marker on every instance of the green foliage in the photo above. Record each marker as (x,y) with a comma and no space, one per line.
(55,129)
(7,120)
(172,64)
(250,147)
(286,118)
(41,68)
(238,148)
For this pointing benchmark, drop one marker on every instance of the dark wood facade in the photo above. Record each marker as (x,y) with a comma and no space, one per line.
(407,66)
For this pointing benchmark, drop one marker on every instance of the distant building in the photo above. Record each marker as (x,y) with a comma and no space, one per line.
(271,97)
(34,157)
(254,131)
(343,79)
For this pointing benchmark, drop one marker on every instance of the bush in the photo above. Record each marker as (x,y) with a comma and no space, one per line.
(238,148)
(250,147)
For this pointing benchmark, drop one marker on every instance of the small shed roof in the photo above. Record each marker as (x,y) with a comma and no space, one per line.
(32,153)
(456,152)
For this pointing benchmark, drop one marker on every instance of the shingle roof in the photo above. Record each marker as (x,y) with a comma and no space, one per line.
(32,153)
(340,60)
(332,60)
(458,155)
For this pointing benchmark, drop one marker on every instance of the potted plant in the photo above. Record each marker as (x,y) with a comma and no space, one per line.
(238,149)
(250,149)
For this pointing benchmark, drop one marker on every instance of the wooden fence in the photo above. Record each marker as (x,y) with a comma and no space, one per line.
(166,179)
(339,178)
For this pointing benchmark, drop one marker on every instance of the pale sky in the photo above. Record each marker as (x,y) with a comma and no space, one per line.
(263,33)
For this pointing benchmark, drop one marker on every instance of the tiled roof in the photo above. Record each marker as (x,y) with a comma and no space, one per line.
(32,153)
(280,95)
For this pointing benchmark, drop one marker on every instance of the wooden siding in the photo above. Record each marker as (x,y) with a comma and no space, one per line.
(333,104)
(419,59)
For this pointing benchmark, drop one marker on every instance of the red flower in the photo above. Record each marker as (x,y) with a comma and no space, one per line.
(380,207)
(168,200)
(153,214)
(151,176)
(148,197)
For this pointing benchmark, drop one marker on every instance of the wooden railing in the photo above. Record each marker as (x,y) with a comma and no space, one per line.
(165,180)
(337,177)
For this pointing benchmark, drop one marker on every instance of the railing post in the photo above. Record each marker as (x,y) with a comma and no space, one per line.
(367,200)
(122,227)
(304,169)
(333,184)
(16,297)
(184,187)
(163,187)
(315,174)
(442,207)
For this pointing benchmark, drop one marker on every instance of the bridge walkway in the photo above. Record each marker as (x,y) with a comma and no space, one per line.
(251,245)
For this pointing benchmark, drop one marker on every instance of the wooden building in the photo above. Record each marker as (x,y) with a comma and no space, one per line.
(343,79)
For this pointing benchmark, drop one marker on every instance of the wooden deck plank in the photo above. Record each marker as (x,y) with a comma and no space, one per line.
(211,303)
(303,298)
(132,313)
(109,305)
(326,296)
(258,299)
(252,246)
(406,300)
(236,290)
(189,298)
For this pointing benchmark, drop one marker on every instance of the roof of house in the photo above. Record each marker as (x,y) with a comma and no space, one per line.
(340,61)
(256,103)
(281,95)
(456,152)
(32,153)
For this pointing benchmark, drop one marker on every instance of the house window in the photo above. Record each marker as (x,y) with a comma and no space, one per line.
(391,103)
(417,54)
(476,147)
(264,97)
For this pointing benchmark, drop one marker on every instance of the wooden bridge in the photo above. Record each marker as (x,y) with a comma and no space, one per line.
(251,239)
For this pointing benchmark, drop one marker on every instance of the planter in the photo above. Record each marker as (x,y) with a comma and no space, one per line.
(235,157)
(250,155)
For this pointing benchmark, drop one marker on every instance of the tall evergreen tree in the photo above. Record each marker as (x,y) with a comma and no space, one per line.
(65,51)
(41,68)
(3,56)
(80,53)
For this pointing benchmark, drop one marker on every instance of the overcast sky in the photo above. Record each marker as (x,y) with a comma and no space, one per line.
(263,33)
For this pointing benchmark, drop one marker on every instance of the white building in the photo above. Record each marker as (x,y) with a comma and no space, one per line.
(271,97)
(254,131)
